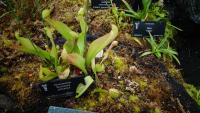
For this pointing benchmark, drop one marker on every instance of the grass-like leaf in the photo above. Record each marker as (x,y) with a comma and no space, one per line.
(100,43)
(152,42)
(146,5)
(134,14)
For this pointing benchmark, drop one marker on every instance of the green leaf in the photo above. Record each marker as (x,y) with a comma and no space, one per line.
(93,65)
(69,46)
(174,27)
(130,15)
(81,43)
(54,51)
(76,60)
(146,5)
(99,44)
(158,54)
(152,42)
(163,42)
(100,68)
(168,51)
(81,19)
(59,69)
(82,36)
(145,53)
(176,59)
(81,88)
(31,48)
(115,11)
(46,13)
(45,74)
(134,14)
(63,29)
(137,41)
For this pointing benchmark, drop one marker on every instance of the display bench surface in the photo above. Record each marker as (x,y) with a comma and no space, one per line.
(53,109)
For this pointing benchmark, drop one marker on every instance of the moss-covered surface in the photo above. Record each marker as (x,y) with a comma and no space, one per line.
(130,84)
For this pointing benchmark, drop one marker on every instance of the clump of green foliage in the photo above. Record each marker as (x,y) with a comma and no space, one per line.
(140,14)
(50,57)
(118,15)
(193,92)
(74,50)
(151,11)
(161,49)
(154,12)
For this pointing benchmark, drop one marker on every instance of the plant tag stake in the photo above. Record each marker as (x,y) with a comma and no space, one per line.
(61,88)
(103,4)
(142,29)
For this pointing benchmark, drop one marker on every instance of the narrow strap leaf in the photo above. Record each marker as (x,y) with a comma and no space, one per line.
(100,43)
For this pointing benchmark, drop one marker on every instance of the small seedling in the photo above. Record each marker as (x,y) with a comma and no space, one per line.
(161,49)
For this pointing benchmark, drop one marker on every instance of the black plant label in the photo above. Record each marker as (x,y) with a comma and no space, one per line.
(103,4)
(61,88)
(142,29)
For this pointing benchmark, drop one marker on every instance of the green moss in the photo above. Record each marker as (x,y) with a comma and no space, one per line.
(122,100)
(114,93)
(119,64)
(193,92)
(136,109)
(99,90)
(143,84)
(101,94)
(156,110)
(119,106)
(91,103)
(121,82)
(133,98)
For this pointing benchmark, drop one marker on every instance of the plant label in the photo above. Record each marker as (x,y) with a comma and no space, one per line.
(142,29)
(104,4)
(61,88)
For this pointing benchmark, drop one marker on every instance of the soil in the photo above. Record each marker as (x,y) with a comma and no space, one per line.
(144,84)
